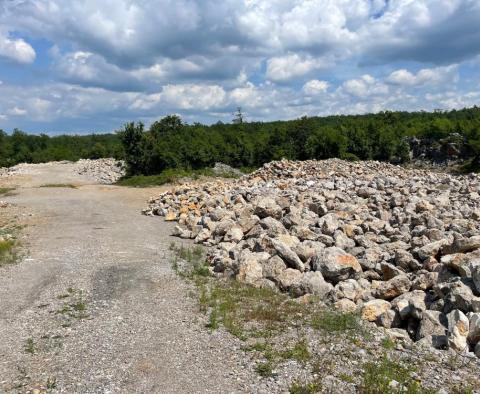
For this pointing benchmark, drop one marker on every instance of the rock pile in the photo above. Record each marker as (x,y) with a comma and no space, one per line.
(225,170)
(105,171)
(401,247)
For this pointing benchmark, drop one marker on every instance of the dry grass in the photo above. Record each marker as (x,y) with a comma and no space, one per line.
(60,185)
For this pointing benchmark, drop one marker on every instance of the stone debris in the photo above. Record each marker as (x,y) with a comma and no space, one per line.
(399,246)
(221,169)
(106,171)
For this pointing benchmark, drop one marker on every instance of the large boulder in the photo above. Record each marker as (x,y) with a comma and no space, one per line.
(393,288)
(432,249)
(474,328)
(349,289)
(411,304)
(329,223)
(373,309)
(462,245)
(433,326)
(250,269)
(335,264)
(290,278)
(287,254)
(457,295)
(458,329)
(312,283)
(267,206)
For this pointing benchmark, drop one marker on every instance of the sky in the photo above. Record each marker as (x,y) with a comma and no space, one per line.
(92,65)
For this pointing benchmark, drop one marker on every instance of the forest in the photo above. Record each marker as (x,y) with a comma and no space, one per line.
(171,144)
(20,147)
(168,143)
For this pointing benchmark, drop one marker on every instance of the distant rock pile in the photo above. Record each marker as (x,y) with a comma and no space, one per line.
(401,247)
(104,171)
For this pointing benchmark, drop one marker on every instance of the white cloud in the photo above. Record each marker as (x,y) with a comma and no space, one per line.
(425,76)
(183,97)
(315,86)
(16,49)
(118,59)
(290,66)
(364,86)
(15,111)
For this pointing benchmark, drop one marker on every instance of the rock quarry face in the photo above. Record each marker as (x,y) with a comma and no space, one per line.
(400,247)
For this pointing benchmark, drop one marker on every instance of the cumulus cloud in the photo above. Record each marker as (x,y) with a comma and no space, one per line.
(314,87)
(364,86)
(290,66)
(201,58)
(424,76)
(16,49)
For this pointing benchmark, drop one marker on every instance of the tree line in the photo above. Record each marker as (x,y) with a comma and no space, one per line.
(20,147)
(170,143)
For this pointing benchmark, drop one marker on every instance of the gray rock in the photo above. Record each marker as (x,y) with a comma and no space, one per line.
(335,264)
(266,207)
(288,278)
(456,295)
(288,255)
(393,288)
(329,223)
(312,283)
(462,245)
(273,226)
(474,328)
(390,271)
(432,249)
(433,325)
(273,267)
(458,328)
(371,310)
(349,289)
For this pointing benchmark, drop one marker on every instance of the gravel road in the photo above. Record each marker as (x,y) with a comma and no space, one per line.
(94,307)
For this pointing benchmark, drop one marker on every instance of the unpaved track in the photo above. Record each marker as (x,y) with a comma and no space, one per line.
(143,332)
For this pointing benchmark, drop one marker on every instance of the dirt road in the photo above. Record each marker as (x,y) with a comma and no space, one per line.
(94,307)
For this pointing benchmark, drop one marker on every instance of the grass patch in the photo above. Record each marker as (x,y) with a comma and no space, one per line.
(388,344)
(304,388)
(8,253)
(30,347)
(60,185)
(265,369)
(335,321)
(76,307)
(377,378)
(6,191)
(262,315)
(168,176)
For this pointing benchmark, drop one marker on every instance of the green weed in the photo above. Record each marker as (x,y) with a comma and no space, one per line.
(30,346)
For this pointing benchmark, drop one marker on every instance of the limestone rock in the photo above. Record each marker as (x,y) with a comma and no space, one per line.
(335,264)
(373,309)
(458,329)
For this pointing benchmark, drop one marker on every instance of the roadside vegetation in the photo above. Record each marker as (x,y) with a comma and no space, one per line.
(167,176)
(20,147)
(9,245)
(6,191)
(276,329)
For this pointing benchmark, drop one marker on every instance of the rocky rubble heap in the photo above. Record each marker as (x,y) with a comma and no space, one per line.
(105,171)
(401,247)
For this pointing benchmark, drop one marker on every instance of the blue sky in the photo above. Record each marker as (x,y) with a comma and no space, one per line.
(90,66)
